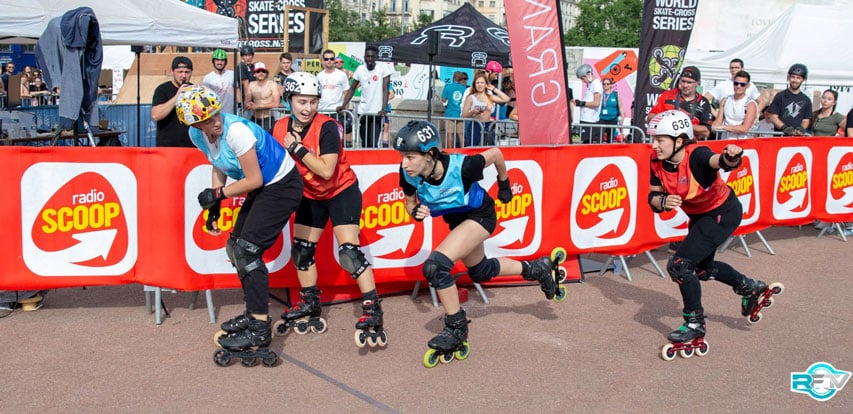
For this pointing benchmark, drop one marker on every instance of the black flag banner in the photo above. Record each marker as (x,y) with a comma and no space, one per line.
(667,25)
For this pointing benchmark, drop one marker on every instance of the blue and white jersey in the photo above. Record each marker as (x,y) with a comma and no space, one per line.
(450,196)
(241,135)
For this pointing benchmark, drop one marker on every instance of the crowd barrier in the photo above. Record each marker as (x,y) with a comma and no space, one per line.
(83,216)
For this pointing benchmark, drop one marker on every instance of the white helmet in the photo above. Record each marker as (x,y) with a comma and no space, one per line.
(301,83)
(670,123)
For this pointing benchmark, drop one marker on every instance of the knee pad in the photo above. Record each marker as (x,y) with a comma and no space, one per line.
(485,270)
(352,259)
(709,273)
(437,271)
(680,269)
(302,253)
(247,257)
(229,250)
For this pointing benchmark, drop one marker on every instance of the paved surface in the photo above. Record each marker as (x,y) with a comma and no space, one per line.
(97,350)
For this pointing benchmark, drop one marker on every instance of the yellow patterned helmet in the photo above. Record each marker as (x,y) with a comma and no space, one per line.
(197,104)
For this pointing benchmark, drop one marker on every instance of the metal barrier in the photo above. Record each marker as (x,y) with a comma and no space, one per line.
(720,135)
(115,116)
(607,134)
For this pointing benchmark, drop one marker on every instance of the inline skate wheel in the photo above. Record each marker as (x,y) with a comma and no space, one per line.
(561,274)
(217,336)
(319,327)
(756,318)
(360,338)
(430,358)
(769,302)
(777,288)
(270,360)
(280,328)
(667,353)
(558,255)
(222,358)
(463,353)
(446,358)
(686,353)
(561,294)
(703,349)
(249,361)
(301,328)
(382,339)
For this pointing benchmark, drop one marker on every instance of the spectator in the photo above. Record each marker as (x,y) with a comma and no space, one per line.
(790,109)
(339,64)
(374,81)
(737,111)
(479,105)
(170,131)
(221,80)
(285,69)
(39,92)
(825,121)
(849,123)
(590,104)
(686,99)
(764,124)
(514,114)
(333,84)
(611,108)
(9,70)
(30,300)
(508,86)
(451,96)
(245,74)
(262,95)
(724,89)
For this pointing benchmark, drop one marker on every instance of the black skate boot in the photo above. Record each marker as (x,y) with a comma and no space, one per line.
(755,296)
(688,338)
(304,316)
(541,271)
(368,328)
(450,342)
(233,325)
(250,345)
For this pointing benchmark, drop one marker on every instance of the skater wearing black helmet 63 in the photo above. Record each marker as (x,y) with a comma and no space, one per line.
(261,169)
(439,184)
(331,193)
(687,177)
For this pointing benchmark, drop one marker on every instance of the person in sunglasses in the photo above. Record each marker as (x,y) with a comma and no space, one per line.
(737,112)
(725,88)
(333,84)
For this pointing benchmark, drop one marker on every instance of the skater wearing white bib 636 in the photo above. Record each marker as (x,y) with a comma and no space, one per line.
(242,150)
(687,177)
(440,184)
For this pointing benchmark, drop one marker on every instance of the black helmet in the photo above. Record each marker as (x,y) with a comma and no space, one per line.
(417,136)
(247,50)
(799,69)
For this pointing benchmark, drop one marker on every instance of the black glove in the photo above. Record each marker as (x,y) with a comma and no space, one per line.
(734,158)
(415,211)
(212,216)
(788,131)
(211,197)
(504,191)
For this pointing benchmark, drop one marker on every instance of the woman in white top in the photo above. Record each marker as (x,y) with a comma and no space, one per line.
(737,111)
(479,105)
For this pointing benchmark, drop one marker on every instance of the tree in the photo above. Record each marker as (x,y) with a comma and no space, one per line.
(347,26)
(607,23)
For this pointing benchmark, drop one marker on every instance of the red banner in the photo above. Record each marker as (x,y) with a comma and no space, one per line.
(83,216)
(536,45)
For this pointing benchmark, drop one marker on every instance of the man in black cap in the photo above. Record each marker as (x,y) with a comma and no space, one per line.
(685,98)
(170,131)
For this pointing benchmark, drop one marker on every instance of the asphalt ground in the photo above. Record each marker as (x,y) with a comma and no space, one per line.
(98,350)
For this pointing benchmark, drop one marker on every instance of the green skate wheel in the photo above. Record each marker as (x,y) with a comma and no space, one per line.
(558,255)
(464,352)
(430,358)
(561,294)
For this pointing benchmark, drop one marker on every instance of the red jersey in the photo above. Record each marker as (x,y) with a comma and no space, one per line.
(317,188)
(694,198)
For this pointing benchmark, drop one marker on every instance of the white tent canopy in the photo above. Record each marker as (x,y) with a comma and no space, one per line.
(124,22)
(815,35)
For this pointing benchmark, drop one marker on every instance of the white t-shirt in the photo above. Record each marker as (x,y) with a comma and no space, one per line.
(734,113)
(589,114)
(726,88)
(332,88)
(223,85)
(370,82)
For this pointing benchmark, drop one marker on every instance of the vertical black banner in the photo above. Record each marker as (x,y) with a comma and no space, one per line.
(667,25)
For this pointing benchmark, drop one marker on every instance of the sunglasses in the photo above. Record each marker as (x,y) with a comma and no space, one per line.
(741,84)
(331,58)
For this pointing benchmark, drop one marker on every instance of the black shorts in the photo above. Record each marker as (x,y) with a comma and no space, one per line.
(267,209)
(344,208)
(484,216)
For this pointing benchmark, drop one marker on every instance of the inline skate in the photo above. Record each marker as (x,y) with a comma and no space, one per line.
(450,342)
(547,271)
(368,329)
(233,325)
(688,338)
(250,345)
(755,296)
(304,316)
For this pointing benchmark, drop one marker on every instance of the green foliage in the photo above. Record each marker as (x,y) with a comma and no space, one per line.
(346,25)
(607,23)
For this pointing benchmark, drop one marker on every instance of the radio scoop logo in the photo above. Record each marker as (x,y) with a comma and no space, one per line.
(792,189)
(744,183)
(841,182)
(605,210)
(513,231)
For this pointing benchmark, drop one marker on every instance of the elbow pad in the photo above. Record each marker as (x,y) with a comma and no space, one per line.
(652,196)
